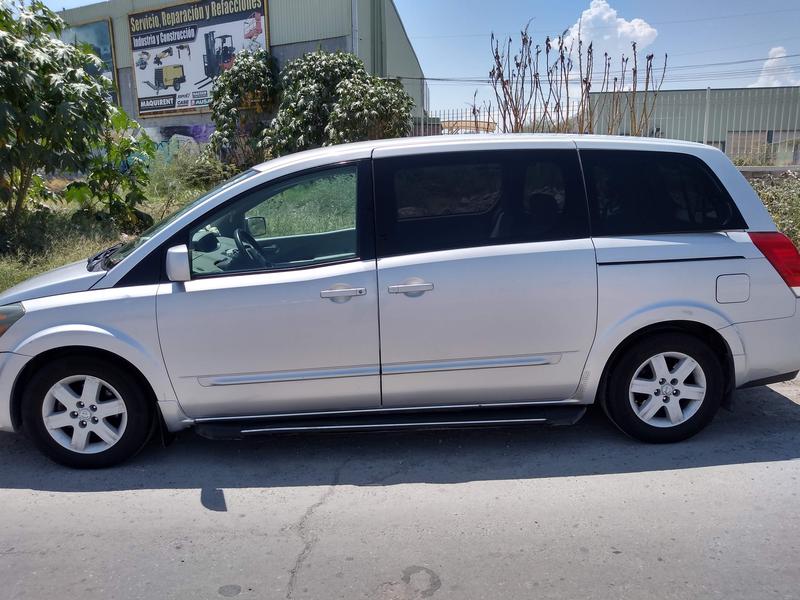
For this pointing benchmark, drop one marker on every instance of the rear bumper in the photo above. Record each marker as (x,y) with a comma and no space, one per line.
(771,351)
(11,366)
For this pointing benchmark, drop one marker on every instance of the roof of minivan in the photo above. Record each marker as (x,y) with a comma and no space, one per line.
(472,141)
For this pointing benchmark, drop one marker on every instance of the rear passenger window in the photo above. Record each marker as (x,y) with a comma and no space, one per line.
(468,199)
(464,189)
(639,193)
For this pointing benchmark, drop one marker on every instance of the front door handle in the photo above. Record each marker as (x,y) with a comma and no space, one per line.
(411,288)
(335,293)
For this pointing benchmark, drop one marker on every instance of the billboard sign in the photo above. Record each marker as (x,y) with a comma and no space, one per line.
(179,51)
(97,35)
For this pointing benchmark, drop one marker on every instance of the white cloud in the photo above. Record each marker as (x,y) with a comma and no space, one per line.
(601,25)
(774,72)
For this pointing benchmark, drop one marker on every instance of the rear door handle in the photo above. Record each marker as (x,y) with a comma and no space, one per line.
(343,292)
(411,288)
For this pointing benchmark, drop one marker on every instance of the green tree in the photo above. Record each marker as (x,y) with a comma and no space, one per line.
(52,109)
(117,174)
(242,97)
(328,98)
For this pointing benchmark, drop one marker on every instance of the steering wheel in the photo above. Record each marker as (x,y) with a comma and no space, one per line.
(248,246)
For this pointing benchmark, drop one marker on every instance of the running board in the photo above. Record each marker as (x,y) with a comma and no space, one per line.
(372,421)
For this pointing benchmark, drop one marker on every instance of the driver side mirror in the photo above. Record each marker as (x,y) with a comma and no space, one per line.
(178,268)
(256,226)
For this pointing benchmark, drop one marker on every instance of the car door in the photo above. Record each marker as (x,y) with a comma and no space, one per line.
(486,275)
(280,314)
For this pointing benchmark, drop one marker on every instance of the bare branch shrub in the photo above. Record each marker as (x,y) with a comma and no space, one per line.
(536,89)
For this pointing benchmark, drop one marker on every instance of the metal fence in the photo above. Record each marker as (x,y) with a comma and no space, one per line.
(753,126)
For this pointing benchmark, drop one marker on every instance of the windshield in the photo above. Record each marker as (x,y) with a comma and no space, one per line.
(118,253)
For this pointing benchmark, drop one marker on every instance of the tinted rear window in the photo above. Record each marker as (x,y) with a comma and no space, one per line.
(467,199)
(639,193)
(442,190)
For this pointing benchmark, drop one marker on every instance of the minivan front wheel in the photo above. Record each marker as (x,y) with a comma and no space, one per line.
(665,389)
(86,412)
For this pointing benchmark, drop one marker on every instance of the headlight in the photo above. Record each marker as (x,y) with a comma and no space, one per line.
(10,314)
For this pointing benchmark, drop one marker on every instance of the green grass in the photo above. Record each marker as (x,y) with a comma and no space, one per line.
(15,268)
(51,237)
(319,205)
(50,234)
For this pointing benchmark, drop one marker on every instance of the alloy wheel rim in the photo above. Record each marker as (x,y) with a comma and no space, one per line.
(84,414)
(667,389)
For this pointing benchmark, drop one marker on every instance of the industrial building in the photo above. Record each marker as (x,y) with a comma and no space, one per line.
(163,56)
(751,125)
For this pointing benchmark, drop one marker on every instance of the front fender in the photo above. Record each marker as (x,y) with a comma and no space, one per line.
(147,361)
(609,337)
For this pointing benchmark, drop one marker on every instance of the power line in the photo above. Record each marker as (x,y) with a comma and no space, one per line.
(720,76)
(598,80)
(671,22)
(736,62)
(681,68)
(770,41)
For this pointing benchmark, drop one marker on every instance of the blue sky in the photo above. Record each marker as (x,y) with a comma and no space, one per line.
(451,37)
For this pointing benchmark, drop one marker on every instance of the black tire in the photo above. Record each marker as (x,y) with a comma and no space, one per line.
(617,402)
(138,407)
(177,86)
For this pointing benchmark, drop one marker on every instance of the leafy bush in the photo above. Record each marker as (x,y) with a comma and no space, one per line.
(369,108)
(329,98)
(207,171)
(781,196)
(53,102)
(308,97)
(241,97)
(117,175)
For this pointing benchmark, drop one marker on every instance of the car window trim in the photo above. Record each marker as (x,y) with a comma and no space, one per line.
(268,271)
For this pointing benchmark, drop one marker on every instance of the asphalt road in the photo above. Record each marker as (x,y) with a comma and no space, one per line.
(579,512)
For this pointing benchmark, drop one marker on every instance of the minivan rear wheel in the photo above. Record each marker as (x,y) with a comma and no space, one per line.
(86,412)
(666,388)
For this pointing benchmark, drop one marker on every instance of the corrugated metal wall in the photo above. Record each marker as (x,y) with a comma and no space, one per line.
(292,21)
(711,115)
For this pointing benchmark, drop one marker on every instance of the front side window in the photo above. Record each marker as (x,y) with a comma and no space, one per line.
(304,221)
(455,200)
(641,193)
(113,259)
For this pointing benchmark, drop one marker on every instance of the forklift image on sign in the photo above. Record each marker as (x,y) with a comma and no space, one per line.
(218,57)
(171,76)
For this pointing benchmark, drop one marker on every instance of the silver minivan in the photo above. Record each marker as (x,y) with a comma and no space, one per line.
(422,282)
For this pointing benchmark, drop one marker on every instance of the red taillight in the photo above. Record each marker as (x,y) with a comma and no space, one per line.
(781,253)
